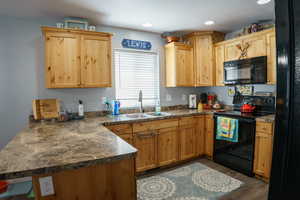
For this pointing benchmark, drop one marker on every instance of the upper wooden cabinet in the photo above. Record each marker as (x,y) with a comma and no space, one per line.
(203,50)
(254,45)
(77,58)
(179,65)
(220,58)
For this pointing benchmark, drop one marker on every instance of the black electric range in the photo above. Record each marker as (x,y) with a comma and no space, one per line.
(240,155)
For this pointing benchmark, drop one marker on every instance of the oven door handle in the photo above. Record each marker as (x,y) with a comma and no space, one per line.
(241,119)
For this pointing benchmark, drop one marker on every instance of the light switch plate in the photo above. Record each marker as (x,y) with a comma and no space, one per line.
(168,97)
(46,186)
(183,97)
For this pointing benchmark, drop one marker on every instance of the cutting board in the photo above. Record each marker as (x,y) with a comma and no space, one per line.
(45,108)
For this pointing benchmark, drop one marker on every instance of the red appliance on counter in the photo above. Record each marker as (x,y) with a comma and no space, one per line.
(3,186)
(247,108)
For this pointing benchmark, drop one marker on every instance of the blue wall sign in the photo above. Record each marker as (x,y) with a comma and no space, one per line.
(136,44)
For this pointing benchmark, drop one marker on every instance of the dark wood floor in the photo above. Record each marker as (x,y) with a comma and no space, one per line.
(253,189)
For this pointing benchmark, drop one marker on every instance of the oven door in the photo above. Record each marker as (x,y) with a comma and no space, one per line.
(237,155)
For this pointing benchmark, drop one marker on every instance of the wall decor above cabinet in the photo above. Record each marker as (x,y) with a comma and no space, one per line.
(249,46)
(77,58)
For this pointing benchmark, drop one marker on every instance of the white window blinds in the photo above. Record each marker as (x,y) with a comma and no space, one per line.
(135,71)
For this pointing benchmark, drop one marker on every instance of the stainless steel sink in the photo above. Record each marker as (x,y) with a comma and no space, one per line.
(160,114)
(136,115)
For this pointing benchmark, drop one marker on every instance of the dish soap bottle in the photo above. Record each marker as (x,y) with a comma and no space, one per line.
(80,109)
(157,108)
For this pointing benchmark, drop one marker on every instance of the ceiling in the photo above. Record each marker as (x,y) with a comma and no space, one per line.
(165,15)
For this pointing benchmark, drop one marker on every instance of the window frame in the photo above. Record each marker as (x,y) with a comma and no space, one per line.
(157,74)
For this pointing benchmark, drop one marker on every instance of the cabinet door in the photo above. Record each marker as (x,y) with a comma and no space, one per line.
(263,154)
(200,139)
(220,58)
(96,62)
(128,138)
(257,46)
(167,146)
(271,51)
(209,135)
(146,143)
(187,138)
(62,60)
(232,52)
(184,66)
(204,65)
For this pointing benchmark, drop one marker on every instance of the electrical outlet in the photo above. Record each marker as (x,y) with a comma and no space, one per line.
(168,97)
(46,186)
(183,97)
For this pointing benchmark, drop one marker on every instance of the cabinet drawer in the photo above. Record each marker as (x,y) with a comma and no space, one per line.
(187,121)
(154,125)
(264,127)
(121,129)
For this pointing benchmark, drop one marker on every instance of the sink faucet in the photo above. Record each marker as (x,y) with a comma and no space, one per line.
(141,101)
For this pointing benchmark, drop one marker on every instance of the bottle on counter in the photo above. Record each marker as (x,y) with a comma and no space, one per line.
(200,107)
(157,108)
(80,109)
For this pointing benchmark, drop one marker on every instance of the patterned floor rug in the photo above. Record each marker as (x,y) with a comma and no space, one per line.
(191,182)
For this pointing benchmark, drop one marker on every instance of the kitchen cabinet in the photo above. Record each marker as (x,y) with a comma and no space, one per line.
(257,46)
(146,143)
(220,58)
(203,50)
(232,52)
(271,53)
(209,135)
(157,143)
(167,146)
(179,65)
(96,61)
(77,58)
(263,149)
(124,131)
(253,45)
(187,138)
(200,135)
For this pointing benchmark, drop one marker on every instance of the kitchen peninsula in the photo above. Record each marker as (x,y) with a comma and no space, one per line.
(84,159)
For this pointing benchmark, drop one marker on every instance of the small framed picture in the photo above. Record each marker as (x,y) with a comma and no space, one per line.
(246,90)
(231,91)
(76,23)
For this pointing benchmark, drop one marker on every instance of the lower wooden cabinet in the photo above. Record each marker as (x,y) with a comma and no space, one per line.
(128,138)
(146,143)
(187,138)
(164,142)
(167,146)
(209,135)
(263,150)
(200,135)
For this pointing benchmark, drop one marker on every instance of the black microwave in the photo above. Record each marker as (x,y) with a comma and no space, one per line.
(246,71)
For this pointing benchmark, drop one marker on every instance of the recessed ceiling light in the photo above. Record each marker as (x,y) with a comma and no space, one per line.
(147,24)
(209,23)
(262,2)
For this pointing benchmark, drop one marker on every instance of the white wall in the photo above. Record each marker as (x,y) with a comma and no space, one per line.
(22,73)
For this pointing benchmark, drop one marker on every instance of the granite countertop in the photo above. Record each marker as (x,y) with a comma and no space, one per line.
(48,147)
